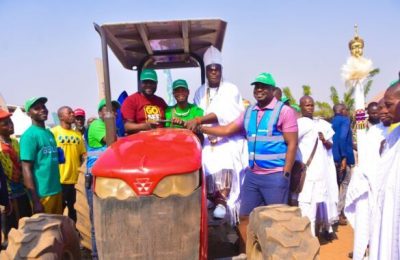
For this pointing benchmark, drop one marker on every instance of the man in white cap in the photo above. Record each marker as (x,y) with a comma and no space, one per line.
(225,158)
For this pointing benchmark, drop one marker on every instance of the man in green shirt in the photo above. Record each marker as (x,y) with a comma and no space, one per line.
(183,111)
(40,158)
(97,129)
(96,145)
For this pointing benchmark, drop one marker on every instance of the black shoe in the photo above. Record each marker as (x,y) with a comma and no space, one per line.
(4,245)
(329,236)
(322,240)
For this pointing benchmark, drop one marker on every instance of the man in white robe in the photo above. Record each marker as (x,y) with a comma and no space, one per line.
(385,235)
(224,159)
(320,191)
(359,199)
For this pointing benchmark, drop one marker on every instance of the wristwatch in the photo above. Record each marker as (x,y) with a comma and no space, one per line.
(286,174)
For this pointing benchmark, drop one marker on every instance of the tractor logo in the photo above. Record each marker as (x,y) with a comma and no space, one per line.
(143,185)
(152,113)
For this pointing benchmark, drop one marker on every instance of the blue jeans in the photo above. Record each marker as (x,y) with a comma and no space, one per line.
(89,196)
(263,189)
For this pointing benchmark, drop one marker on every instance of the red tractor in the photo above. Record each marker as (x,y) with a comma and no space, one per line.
(149,193)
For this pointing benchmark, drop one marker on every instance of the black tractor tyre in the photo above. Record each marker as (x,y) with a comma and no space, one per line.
(82,210)
(280,232)
(45,237)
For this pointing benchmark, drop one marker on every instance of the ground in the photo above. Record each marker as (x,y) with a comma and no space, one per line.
(340,248)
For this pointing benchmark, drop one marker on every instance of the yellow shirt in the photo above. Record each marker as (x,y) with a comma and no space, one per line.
(392,127)
(72,144)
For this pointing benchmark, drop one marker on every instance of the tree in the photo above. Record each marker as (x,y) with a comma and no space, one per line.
(334,96)
(288,93)
(367,86)
(306,90)
(324,110)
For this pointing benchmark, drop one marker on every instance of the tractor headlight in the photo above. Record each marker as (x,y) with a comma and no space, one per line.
(110,187)
(182,184)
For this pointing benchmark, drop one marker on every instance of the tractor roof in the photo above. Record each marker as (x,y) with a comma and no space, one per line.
(164,44)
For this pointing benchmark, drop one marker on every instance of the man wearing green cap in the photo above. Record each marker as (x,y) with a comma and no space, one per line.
(142,110)
(271,131)
(97,129)
(96,146)
(40,158)
(183,111)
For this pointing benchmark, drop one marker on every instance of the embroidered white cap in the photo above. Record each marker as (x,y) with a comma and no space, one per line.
(212,56)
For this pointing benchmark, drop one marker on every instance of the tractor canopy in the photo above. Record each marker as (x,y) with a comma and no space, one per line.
(164,44)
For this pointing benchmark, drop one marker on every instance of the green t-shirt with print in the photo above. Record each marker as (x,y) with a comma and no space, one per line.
(190,112)
(96,133)
(38,146)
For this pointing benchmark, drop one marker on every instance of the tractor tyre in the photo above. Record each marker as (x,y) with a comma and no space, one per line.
(82,210)
(45,237)
(280,232)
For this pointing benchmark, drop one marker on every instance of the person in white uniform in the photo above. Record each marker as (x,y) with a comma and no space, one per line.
(319,196)
(224,158)
(385,235)
(359,202)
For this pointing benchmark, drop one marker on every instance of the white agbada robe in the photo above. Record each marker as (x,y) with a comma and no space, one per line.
(385,235)
(359,199)
(320,183)
(230,153)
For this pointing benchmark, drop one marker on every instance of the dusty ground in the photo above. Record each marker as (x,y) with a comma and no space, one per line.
(339,249)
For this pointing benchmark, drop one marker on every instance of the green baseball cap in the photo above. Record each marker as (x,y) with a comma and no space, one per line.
(103,103)
(148,74)
(296,107)
(394,82)
(180,83)
(265,78)
(30,102)
(284,98)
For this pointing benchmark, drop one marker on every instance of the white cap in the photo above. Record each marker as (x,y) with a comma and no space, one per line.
(212,56)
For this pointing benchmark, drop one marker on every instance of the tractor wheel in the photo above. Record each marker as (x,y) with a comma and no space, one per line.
(43,236)
(82,210)
(280,232)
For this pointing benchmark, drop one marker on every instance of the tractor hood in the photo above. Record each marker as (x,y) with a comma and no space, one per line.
(147,157)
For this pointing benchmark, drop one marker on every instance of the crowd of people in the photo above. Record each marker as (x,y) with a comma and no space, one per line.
(247,154)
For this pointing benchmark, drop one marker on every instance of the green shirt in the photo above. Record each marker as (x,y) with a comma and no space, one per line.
(190,112)
(96,133)
(38,146)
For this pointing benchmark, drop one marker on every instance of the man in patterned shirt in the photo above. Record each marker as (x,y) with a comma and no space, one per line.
(9,159)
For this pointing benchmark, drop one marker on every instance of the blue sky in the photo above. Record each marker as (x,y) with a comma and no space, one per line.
(48,48)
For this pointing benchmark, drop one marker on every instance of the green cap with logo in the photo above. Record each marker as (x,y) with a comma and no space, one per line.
(180,83)
(102,103)
(30,102)
(148,74)
(265,78)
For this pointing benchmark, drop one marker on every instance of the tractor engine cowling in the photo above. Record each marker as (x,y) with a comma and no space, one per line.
(149,200)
